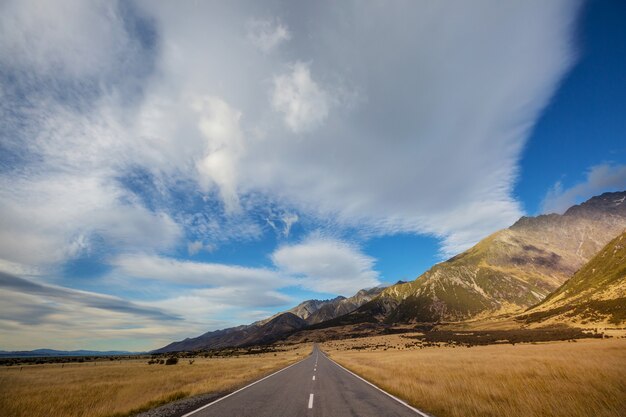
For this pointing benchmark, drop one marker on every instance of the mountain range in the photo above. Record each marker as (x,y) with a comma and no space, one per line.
(507,272)
(53,352)
(527,271)
(276,327)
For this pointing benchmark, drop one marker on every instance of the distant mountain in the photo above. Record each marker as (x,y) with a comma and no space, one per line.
(52,352)
(276,327)
(507,272)
(595,294)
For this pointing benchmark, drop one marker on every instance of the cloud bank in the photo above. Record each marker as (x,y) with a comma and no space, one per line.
(141,130)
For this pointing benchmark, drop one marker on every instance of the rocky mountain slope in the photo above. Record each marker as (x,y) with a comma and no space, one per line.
(276,327)
(343,306)
(595,294)
(507,272)
(254,334)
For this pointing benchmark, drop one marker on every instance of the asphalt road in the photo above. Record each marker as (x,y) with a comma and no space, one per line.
(315,386)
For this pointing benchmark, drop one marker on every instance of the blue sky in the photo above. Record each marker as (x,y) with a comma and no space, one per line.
(168,170)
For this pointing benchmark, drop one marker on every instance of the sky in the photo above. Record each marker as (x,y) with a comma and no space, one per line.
(171,168)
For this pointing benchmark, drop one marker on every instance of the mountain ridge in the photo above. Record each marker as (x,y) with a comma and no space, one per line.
(595,293)
(275,327)
(507,272)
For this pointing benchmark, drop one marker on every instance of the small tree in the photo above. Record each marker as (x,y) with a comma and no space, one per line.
(171,361)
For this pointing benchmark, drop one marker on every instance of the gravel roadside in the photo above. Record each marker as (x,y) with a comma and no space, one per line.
(181,407)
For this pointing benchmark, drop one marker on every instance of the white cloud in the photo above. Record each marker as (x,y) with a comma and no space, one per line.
(303,103)
(198,273)
(75,38)
(219,124)
(267,34)
(327,265)
(600,178)
(289,219)
(432,144)
(194,247)
(59,216)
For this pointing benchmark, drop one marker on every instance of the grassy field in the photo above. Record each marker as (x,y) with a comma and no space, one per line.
(105,388)
(569,379)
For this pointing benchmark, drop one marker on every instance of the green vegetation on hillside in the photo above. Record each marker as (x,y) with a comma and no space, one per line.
(597,290)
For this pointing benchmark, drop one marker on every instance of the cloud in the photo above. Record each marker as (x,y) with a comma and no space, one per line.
(197,273)
(10,282)
(327,265)
(395,140)
(267,34)
(414,152)
(35,319)
(62,217)
(219,124)
(303,103)
(289,219)
(599,179)
(132,129)
(42,36)
(286,218)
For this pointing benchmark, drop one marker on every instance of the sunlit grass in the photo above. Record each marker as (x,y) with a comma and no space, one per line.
(119,388)
(554,379)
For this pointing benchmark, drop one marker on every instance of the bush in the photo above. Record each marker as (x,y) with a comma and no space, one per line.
(171,361)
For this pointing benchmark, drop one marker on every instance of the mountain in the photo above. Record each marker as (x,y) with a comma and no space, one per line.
(595,294)
(317,311)
(52,352)
(253,334)
(340,307)
(507,272)
(276,327)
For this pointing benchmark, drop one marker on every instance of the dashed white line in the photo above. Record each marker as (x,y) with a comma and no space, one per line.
(311,401)
(313,377)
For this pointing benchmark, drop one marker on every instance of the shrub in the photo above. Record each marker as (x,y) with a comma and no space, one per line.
(171,361)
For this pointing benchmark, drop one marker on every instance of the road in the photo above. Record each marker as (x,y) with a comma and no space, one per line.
(313,387)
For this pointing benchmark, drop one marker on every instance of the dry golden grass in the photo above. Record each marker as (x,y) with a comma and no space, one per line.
(554,379)
(114,388)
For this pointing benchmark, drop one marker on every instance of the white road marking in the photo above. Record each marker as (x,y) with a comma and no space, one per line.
(421,413)
(241,389)
(313,377)
(311,401)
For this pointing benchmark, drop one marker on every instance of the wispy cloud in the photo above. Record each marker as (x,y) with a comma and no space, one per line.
(599,178)
(87,299)
(303,103)
(198,273)
(327,265)
(267,34)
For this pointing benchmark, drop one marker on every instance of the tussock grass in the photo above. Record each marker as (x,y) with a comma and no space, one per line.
(107,389)
(554,379)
